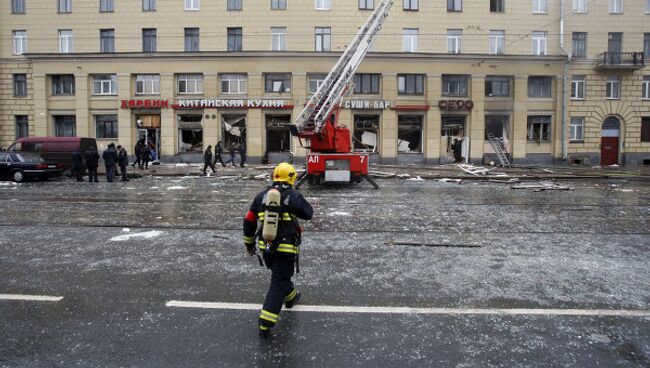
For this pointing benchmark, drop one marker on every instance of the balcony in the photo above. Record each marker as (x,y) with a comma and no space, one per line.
(620,61)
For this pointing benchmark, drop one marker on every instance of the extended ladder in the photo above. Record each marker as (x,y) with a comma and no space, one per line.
(499,149)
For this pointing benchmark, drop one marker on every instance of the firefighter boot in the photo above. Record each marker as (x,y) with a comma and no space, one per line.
(265,332)
(291,299)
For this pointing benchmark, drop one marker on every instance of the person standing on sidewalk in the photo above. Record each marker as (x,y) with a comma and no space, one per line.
(231,151)
(218,151)
(138,154)
(242,154)
(110,157)
(92,161)
(207,161)
(123,159)
(78,164)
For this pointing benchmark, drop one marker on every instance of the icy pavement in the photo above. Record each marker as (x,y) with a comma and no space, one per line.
(580,250)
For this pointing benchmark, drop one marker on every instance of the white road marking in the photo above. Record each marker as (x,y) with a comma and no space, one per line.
(407,310)
(38,298)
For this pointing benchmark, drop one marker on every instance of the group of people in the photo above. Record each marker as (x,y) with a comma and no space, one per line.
(112,156)
(143,155)
(218,152)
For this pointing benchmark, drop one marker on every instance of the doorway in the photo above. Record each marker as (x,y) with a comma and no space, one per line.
(609,141)
(278,139)
(454,144)
(149,130)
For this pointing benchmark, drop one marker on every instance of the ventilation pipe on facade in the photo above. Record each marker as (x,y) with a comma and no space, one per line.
(565,73)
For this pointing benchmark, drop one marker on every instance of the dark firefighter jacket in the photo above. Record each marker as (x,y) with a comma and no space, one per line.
(293,206)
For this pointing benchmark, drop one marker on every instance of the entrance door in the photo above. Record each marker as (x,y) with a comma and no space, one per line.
(454,143)
(609,142)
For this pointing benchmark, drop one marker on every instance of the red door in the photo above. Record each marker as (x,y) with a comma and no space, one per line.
(608,151)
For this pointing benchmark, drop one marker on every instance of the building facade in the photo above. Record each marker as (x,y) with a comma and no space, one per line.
(552,80)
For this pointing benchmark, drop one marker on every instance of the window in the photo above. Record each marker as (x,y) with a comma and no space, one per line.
(190,83)
(323,39)
(22,126)
(539,128)
(18,6)
(106,5)
(647,6)
(539,86)
(65,41)
(106,40)
(580,6)
(616,6)
(65,6)
(279,38)
(278,4)
(409,40)
(147,84)
(454,85)
(366,4)
(148,5)
(646,45)
(234,4)
(233,83)
(497,42)
(20,85)
(454,40)
(578,87)
(454,5)
(366,83)
(577,129)
(105,126)
(277,82)
(191,39)
(409,133)
(63,85)
(645,93)
(366,133)
(613,90)
(278,133)
(539,6)
(104,84)
(192,4)
(234,39)
(315,80)
(410,84)
(497,6)
(497,86)
(148,40)
(645,129)
(579,44)
(539,43)
(20,42)
(323,4)
(65,126)
(413,5)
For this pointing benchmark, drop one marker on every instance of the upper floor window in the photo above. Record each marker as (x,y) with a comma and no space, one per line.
(191,39)
(454,5)
(278,4)
(411,5)
(454,85)
(647,6)
(579,44)
(539,6)
(63,85)
(539,43)
(323,39)
(106,40)
(454,40)
(366,83)
(192,4)
(410,84)
(277,82)
(190,83)
(366,4)
(233,83)
(645,92)
(279,38)
(578,87)
(104,84)
(540,86)
(149,36)
(580,6)
(234,4)
(646,45)
(65,41)
(106,5)
(148,5)
(497,6)
(147,84)
(314,82)
(235,39)
(616,6)
(323,4)
(497,86)
(410,40)
(613,89)
(18,6)
(20,85)
(22,126)
(65,6)
(20,42)
(497,42)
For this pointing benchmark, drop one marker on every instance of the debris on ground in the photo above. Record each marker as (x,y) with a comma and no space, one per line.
(381,174)
(418,178)
(509,181)
(541,186)
(421,244)
(262,177)
(447,180)
(474,170)
(403,176)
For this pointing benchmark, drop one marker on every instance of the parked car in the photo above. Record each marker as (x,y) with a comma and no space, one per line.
(19,166)
(54,149)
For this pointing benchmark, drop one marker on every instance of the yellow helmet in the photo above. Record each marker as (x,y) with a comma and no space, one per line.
(285,172)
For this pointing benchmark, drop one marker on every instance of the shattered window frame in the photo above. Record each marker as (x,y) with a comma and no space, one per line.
(539,128)
(190,125)
(406,127)
(238,120)
(277,126)
(366,123)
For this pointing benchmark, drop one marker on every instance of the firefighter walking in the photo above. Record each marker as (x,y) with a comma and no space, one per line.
(272,220)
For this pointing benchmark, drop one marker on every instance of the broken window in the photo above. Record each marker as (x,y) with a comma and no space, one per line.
(539,128)
(190,133)
(453,140)
(497,126)
(409,134)
(233,129)
(366,133)
(278,137)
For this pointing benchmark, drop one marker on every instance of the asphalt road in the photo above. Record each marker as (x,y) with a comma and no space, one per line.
(541,268)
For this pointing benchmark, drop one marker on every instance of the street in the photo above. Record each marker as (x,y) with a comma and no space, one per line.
(491,276)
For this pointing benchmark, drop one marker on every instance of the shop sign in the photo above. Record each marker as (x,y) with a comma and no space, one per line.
(186,103)
(455,105)
(145,104)
(366,104)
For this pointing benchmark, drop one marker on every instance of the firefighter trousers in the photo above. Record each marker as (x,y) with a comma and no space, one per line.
(281,288)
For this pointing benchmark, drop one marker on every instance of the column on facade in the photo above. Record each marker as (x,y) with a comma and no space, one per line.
(82,118)
(256,136)
(40,105)
(211,127)
(432,144)
(477,123)
(300,94)
(557,131)
(125,128)
(388,134)
(168,132)
(520,118)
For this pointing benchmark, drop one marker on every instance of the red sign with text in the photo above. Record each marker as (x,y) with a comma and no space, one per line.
(145,104)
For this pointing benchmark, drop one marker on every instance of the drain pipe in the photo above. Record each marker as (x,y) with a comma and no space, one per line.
(565,73)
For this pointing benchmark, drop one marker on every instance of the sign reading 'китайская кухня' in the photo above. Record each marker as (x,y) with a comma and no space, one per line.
(191,103)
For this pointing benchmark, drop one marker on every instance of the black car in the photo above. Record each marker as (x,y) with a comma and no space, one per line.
(19,166)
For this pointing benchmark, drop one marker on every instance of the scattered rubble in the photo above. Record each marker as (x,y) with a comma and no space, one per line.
(447,180)
(541,186)
(420,244)
(418,178)
(474,170)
